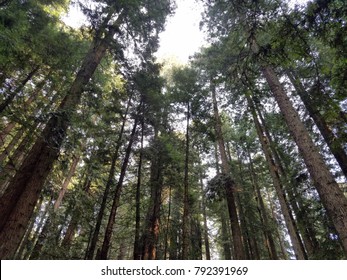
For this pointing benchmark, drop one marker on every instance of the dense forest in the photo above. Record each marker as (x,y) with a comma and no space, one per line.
(105,153)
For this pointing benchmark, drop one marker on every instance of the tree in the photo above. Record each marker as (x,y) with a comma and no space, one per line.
(29,179)
(107,154)
(329,191)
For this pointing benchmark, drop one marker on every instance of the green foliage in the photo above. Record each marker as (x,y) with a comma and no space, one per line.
(309,39)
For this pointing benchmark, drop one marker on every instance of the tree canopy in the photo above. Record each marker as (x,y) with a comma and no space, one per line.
(105,153)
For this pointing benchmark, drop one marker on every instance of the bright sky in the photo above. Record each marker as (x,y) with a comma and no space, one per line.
(181,38)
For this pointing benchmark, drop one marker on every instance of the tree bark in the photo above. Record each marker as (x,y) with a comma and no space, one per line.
(329,191)
(70,231)
(304,224)
(238,252)
(5,132)
(273,169)
(66,182)
(204,214)
(269,240)
(9,148)
(225,234)
(151,234)
(18,202)
(14,162)
(185,218)
(333,143)
(110,182)
(25,240)
(108,232)
(168,224)
(137,246)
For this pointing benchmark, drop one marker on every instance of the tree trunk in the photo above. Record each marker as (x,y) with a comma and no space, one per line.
(18,202)
(238,253)
(13,94)
(108,232)
(269,240)
(273,169)
(137,246)
(110,182)
(203,206)
(66,182)
(35,254)
(304,224)
(225,236)
(195,239)
(9,148)
(168,224)
(185,218)
(329,191)
(76,217)
(25,240)
(5,132)
(151,234)
(14,162)
(36,234)
(334,145)
(70,231)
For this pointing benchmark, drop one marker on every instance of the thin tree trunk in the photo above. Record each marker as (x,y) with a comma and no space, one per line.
(66,182)
(150,238)
(270,244)
(253,250)
(110,182)
(5,132)
(137,246)
(14,162)
(18,202)
(185,218)
(13,94)
(239,252)
(70,231)
(195,239)
(203,206)
(35,254)
(304,224)
(36,235)
(168,224)
(75,219)
(108,232)
(273,169)
(9,148)
(225,234)
(174,227)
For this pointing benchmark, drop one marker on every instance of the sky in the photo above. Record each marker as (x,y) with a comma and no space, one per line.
(182,36)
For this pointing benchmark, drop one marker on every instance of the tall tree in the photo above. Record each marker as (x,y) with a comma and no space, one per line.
(273,168)
(226,15)
(19,201)
(229,184)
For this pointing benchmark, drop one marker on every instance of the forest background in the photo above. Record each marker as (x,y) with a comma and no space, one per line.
(107,154)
